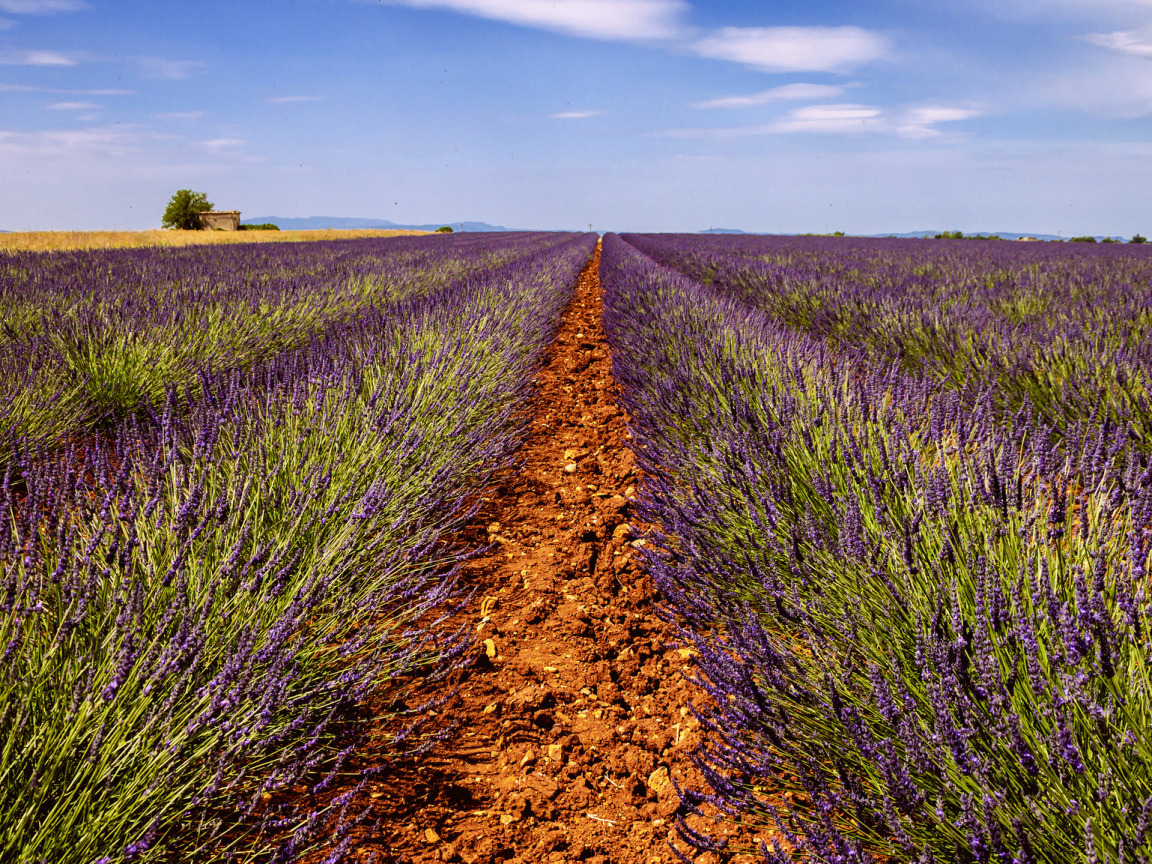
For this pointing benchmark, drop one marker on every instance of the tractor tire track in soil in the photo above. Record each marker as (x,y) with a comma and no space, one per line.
(573,719)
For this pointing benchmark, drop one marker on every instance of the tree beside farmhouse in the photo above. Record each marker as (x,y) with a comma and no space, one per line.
(183,211)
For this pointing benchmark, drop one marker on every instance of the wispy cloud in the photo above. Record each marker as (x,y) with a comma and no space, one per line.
(73,106)
(290,100)
(7,23)
(148,67)
(921,121)
(830,119)
(786,92)
(1123,42)
(28,88)
(35,58)
(66,145)
(795,49)
(182,116)
(170,70)
(40,7)
(595,19)
(576,115)
(909,121)
(906,121)
(216,146)
(229,150)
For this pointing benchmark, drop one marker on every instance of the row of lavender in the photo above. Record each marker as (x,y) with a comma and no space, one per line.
(86,337)
(195,607)
(921,609)
(1064,328)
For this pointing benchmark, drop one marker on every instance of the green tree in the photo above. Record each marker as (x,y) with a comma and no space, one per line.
(1136,238)
(184,210)
(444,229)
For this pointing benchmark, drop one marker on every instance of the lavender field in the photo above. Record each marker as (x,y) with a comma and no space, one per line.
(898,495)
(231,482)
(903,510)
(86,337)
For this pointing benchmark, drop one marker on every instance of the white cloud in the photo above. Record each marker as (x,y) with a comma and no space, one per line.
(229,151)
(915,121)
(35,58)
(921,121)
(184,116)
(73,106)
(149,67)
(171,70)
(215,146)
(289,100)
(28,88)
(776,94)
(576,115)
(594,19)
(1122,42)
(830,118)
(40,7)
(795,49)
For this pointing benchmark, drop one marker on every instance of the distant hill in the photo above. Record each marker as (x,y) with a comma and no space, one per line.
(721,231)
(312,223)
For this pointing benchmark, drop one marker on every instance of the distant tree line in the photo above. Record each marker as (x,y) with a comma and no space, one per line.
(960,235)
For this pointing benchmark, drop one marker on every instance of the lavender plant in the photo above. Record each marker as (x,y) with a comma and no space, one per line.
(193,614)
(86,337)
(1063,329)
(924,613)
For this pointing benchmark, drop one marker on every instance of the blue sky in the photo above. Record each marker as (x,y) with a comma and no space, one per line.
(645,115)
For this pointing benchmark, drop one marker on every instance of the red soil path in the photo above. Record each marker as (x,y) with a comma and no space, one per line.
(575,714)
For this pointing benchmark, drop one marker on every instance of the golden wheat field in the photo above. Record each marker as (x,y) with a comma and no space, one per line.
(56,241)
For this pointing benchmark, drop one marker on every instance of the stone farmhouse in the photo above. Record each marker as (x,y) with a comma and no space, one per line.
(220,220)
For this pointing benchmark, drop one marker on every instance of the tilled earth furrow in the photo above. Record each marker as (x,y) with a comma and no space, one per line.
(574,718)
